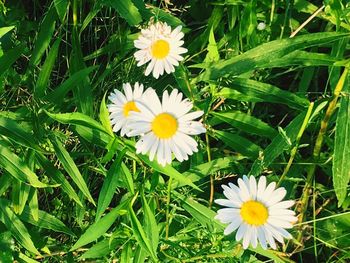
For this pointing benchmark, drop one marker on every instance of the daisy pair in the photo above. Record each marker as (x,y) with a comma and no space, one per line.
(164,126)
(256,211)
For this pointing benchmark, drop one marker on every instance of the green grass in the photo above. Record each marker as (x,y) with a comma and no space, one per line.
(274,105)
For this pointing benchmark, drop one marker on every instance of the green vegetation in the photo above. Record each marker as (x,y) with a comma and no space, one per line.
(271,78)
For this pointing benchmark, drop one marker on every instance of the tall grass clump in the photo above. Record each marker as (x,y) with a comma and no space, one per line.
(126,125)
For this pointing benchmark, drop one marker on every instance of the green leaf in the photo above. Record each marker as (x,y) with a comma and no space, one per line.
(10,57)
(201,213)
(61,8)
(102,248)
(44,36)
(341,164)
(101,226)
(197,172)
(127,178)
(5,30)
(266,53)
(17,133)
(264,92)
(58,177)
(278,145)
(303,58)
(77,118)
(60,92)
(109,186)
(104,116)
(239,144)
(169,171)
(7,247)
(71,168)
(45,72)
(18,168)
(141,236)
(82,91)
(126,10)
(45,220)
(246,123)
(93,136)
(150,224)
(17,228)
(213,52)
(33,203)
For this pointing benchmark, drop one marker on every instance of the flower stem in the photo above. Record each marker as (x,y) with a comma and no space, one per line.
(211,197)
(167,209)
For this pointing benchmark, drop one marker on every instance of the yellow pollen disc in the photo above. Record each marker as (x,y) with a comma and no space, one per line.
(254,213)
(160,49)
(164,125)
(129,106)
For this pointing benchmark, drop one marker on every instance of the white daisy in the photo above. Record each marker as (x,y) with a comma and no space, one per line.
(161,46)
(256,211)
(122,105)
(165,127)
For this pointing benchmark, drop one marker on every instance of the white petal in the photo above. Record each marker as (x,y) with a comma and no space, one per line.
(244,192)
(282,205)
(153,150)
(241,231)
(228,203)
(191,116)
(279,223)
(261,187)
(254,237)
(262,238)
(235,223)
(150,67)
(276,196)
(252,187)
(247,237)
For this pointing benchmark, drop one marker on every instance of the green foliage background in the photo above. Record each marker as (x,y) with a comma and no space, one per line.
(275,105)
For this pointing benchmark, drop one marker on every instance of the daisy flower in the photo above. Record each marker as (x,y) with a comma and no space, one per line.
(161,46)
(257,211)
(165,126)
(122,105)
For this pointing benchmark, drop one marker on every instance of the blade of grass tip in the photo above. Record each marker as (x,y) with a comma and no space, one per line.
(44,74)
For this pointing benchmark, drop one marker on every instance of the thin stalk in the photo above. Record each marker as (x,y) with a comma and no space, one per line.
(211,197)
(318,144)
(167,216)
(75,13)
(295,148)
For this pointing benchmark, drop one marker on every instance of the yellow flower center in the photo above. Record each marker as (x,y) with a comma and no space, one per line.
(164,125)
(129,106)
(160,49)
(254,213)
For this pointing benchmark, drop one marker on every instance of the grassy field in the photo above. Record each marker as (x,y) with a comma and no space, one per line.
(268,83)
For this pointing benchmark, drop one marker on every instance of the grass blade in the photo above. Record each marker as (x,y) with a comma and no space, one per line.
(109,186)
(101,226)
(18,168)
(341,164)
(126,10)
(58,177)
(239,144)
(71,168)
(264,92)
(246,123)
(17,228)
(44,75)
(266,53)
(44,36)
